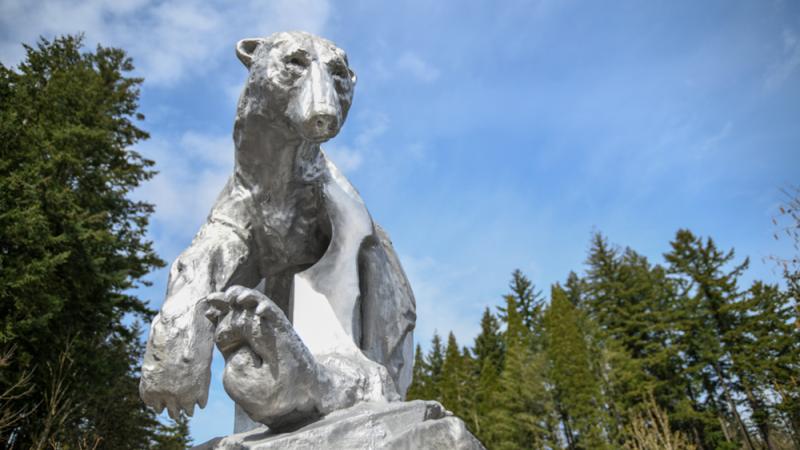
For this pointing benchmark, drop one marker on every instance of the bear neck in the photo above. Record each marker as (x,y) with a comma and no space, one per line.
(271,158)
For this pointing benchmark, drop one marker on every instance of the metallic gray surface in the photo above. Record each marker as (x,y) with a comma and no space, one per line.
(399,425)
(288,245)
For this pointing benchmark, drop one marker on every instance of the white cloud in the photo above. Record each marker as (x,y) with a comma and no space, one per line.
(350,157)
(442,305)
(412,64)
(376,125)
(192,171)
(214,150)
(167,40)
(713,141)
(306,15)
(347,159)
(779,72)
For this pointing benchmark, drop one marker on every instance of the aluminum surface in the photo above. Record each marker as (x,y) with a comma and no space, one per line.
(290,277)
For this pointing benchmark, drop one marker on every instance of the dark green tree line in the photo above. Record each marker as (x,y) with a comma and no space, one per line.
(633,355)
(73,245)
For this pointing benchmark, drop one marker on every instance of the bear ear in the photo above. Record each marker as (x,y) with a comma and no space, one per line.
(246,48)
(353,76)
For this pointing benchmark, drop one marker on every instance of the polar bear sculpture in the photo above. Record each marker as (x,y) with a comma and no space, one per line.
(300,290)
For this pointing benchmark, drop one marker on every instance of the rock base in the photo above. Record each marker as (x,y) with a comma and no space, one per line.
(398,425)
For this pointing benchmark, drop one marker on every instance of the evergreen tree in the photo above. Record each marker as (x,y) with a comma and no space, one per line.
(575,288)
(174,436)
(577,393)
(528,300)
(489,355)
(489,343)
(787,225)
(709,293)
(469,377)
(763,344)
(639,312)
(618,299)
(453,380)
(420,382)
(435,362)
(522,417)
(72,246)
(633,355)
(484,402)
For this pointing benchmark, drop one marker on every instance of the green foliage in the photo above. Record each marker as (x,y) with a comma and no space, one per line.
(72,246)
(456,379)
(489,351)
(435,362)
(489,347)
(578,398)
(420,380)
(174,436)
(520,418)
(528,301)
(631,355)
(709,294)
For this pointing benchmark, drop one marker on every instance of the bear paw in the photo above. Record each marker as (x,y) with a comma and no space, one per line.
(269,372)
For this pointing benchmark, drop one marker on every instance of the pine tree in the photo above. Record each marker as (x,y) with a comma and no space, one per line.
(575,288)
(452,388)
(420,381)
(489,343)
(174,436)
(787,224)
(435,362)
(763,344)
(489,355)
(639,312)
(484,405)
(73,246)
(469,377)
(528,299)
(577,393)
(709,294)
(523,412)
(619,302)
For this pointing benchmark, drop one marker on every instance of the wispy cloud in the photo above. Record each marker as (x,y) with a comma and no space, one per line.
(440,307)
(779,72)
(349,157)
(168,40)
(711,143)
(412,64)
(192,170)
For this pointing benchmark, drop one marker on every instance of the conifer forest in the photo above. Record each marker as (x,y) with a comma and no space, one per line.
(631,354)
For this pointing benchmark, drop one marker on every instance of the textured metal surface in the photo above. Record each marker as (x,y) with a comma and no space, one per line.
(302,293)
(400,425)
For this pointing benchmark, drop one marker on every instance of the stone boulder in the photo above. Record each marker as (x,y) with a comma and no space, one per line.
(410,425)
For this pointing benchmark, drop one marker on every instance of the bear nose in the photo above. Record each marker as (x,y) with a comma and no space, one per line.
(324,124)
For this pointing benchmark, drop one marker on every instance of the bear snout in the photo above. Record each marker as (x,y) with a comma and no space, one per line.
(321,126)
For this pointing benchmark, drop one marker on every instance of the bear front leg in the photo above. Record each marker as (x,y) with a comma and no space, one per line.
(177,363)
(176,368)
(269,371)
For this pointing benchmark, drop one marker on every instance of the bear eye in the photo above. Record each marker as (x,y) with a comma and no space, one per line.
(339,70)
(297,60)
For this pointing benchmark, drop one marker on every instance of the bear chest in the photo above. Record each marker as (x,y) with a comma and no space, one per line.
(292,230)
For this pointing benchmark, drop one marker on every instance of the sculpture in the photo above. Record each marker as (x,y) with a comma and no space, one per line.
(300,290)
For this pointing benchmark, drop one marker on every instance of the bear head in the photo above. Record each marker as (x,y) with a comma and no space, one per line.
(297,80)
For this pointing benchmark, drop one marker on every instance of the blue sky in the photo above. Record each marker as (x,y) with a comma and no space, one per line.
(484,135)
